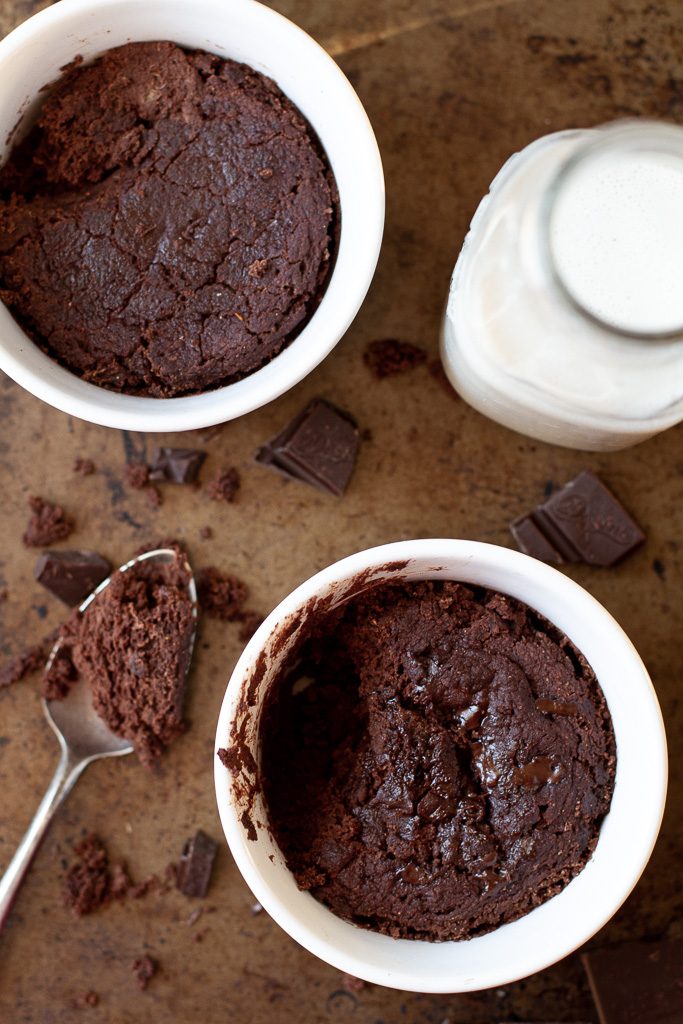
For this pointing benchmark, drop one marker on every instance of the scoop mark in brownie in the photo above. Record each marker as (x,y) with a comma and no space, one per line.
(173,241)
(436,762)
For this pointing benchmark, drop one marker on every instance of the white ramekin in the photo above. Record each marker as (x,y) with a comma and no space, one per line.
(628,833)
(31,57)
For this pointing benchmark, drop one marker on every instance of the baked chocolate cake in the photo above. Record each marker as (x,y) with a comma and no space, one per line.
(439,761)
(167,226)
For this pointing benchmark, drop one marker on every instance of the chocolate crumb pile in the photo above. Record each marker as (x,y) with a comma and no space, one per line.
(133,645)
(167,226)
(47,524)
(442,766)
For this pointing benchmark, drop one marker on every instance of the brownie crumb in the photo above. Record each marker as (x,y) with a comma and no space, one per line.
(206,533)
(86,1000)
(225,486)
(220,596)
(83,467)
(137,475)
(47,524)
(389,357)
(144,969)
(15,668)
(249,623)
(87,883)
(353,984)
(196,864)
(659,568)
(4,594)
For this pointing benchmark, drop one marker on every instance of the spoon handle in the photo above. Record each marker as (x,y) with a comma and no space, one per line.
(68,770)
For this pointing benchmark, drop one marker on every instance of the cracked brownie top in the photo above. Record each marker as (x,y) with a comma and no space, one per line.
(438,762)
(168,224)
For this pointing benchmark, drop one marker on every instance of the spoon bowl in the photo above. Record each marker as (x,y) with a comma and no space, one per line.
(83,738)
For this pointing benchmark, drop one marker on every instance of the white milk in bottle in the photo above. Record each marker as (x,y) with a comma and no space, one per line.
(565,314)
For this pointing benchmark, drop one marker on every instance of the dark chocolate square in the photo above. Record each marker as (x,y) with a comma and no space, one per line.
(71,575)
(196,864)
(176,465)
(582,522)
(318,447)
(637,982)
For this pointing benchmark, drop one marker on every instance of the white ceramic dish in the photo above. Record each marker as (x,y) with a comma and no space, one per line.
(31,57)
(628,833)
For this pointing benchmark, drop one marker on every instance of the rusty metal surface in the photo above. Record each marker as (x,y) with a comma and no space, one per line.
(452,88)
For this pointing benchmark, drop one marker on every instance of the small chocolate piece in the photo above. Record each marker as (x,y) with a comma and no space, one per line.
(21,664)
(84,467)
(582,522)
(144,969)
(86,1000)
(196,863)
(176,465)
(86,886)
(137,475)
(389,357)
(47,524)
(319,447)
(353,984)
(225,486)
(71,575)
(220,596)
(637,982)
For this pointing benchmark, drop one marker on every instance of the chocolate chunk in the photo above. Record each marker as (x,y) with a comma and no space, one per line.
(144,969)
(220,596)
(225,486)
(583,522)
(389,357)
(71,575)
(46,525)
(637,982)
(176,465)
(196,863)
(319,447)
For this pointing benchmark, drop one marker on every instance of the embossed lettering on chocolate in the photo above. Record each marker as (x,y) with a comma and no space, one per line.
(437,762)
(168,225)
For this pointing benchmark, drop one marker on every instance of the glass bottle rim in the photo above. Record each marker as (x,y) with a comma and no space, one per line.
(625,136)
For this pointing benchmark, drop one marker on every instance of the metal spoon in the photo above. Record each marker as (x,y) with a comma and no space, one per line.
(83,738)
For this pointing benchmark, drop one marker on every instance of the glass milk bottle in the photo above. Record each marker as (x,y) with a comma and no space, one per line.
(565,313)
